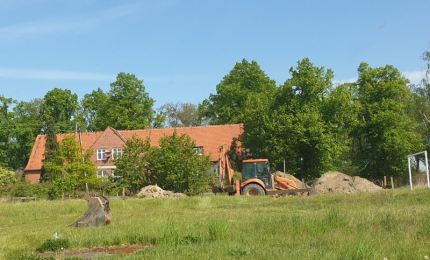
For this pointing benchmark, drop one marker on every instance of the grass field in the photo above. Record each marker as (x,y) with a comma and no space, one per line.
(366,226)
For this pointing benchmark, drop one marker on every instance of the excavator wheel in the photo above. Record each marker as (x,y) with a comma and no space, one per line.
(253,190)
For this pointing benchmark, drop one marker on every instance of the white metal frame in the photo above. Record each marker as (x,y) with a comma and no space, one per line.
(427,168)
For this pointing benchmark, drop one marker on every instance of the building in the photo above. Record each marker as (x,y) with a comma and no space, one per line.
(108,145)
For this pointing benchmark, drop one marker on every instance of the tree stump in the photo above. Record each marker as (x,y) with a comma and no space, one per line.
(98,213)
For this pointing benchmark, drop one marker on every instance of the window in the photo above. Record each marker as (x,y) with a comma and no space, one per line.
(199,150)
(101,154)
(102,174)
(116,153)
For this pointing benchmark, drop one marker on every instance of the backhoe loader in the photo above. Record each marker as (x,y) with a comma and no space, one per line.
(255,179)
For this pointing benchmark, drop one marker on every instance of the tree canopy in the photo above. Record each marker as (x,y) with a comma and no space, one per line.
(126,106)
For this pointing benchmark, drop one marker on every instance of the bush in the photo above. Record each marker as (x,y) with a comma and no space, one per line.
(54,245)
(7,179)
(25,189)
(179,168)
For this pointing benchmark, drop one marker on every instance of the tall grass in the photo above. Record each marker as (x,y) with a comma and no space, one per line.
(364,226)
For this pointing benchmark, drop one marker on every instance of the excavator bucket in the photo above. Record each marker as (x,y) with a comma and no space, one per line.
(285,183)
(98,213)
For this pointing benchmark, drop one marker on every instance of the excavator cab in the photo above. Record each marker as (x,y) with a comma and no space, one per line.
(258,169)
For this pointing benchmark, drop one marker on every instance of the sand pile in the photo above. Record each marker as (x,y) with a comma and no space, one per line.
(153,191)
(337,182)
(300,184)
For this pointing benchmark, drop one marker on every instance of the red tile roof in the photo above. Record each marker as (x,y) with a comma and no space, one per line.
(209,137)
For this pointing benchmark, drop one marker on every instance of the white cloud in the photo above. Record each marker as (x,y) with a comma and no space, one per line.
(342,81)
(74,23)
(415,77)
(40,74)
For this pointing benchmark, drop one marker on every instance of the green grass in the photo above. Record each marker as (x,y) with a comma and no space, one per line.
(365,226)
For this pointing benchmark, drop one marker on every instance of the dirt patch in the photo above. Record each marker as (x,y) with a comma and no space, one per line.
(91,253)
(153,191)
(300,184)
(337,182)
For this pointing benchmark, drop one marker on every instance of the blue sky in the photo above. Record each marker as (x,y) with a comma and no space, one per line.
(182,49)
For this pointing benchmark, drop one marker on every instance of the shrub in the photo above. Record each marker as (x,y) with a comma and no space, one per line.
(179,168)
(7,179)
(25,189)
(54,245)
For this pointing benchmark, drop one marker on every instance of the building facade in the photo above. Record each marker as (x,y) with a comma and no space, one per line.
(108,145)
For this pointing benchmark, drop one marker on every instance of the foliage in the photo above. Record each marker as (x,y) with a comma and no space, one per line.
(95,110)
(126,106)
(6,130)
(7,179)
(27,125)
(173,166)
(134,166)
(292,126)
(26,189)
(179,168)
(227,105)
(54,245)
(181,114)
(385,134)
(420,105)
(72,168)
(60,108)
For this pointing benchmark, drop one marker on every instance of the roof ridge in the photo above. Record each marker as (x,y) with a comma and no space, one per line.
(179,127)
(118,134)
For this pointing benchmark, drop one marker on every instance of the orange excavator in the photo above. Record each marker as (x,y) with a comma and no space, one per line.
(255,179)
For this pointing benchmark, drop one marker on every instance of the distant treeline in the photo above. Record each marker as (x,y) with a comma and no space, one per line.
(366,127)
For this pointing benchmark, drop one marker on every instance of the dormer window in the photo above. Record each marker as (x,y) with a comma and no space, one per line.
(116,153)
(101,154)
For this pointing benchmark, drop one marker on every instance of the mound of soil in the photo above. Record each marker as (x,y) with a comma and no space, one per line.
(337,182)
(300,184)
(153,191)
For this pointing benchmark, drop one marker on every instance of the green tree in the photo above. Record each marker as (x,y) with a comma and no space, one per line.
(340,114)
(59,108)
(420,108)
(6,130)
(95,108)
(179,168)
(181,114)
(27,124)
(7,179)
(129,104)
(134,166)
(126,106)
(386,133)
(292,125)
(72,167)
(227,105)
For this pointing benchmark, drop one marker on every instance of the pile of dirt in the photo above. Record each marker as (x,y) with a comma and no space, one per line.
(153,191)
(337,182)
(299,183)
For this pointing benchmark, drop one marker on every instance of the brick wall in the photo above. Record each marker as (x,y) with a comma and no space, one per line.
(108,140)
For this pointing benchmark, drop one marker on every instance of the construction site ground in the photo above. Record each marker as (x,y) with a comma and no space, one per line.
(391,224)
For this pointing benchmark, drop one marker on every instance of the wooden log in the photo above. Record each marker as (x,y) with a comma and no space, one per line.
(98,213)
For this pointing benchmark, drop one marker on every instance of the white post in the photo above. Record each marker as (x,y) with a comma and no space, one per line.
(284,165)
(427,169)
(410,172)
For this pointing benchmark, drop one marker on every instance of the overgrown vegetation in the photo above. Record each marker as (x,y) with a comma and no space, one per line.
(54,245)
(365,127)
(392,225)
(174,165)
